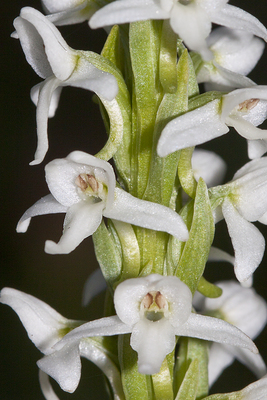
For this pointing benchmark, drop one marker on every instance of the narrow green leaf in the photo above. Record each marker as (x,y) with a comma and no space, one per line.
(188,388)
(197,247)
(162,382)
(168,58)
(107,254)
(208,289)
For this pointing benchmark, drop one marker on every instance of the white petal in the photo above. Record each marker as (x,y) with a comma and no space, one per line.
(152,341)
(122,11)
(216,330)
(245,128)
(62,173)
(256,148)
(71,16)
(94,285)
(146,214)
(256,390)
(108,326)
(230,46)
(47,88)
(220,255)
(100,358)
(32,45)
(35,90)
(236,18)
(251,166)
(82,220)
(46,205)
(42,322)
(233,99)
(52,7)
(129,294)
(60,56)
(247,241)
(46,387)
(193,25)
(219,359)
(89,77)
(209,166)
(240,306)
(192,128)
(252,361)
(64,366)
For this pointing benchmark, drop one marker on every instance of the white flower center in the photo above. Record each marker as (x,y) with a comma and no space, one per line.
(154,306)
(89,186)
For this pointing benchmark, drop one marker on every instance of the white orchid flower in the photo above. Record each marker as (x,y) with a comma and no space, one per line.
(153,309)
(67,12)
(52,59)
(243,109)
(45,328)
(245,309)
(235,54)
(190,19)
(83,187)
(245,201)
(209,166)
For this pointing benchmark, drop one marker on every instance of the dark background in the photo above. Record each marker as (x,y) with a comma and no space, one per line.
(59,279)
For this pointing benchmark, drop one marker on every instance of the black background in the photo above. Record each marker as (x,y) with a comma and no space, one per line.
(59,279)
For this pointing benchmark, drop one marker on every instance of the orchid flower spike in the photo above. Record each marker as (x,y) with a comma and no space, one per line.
(190,19)
(244,201)
(45,328)
(66,12)
(83,187)
(52,59)
(235,54)
(154,309)
(245,309)
(243,109)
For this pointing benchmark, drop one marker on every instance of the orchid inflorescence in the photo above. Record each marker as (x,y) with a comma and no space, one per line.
(153,211)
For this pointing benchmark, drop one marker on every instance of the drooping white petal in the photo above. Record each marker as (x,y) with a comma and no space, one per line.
(61,57)
(74,15)
(209,166)
(100,358)
(94,285)
(245,128)
(193,128)
(42,323)
(46,386)
(64,366)
(216,254)
(107,326)
(252,361)
(219,359)
(247,241)
(32,45)
(146,214)
(47,89)
(236,18)
(122,11)
(82,220)
(46,205)
(35,90)
(152,341)
(216,330)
